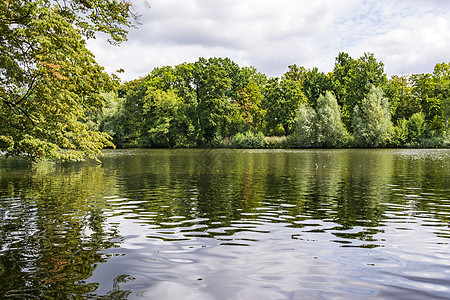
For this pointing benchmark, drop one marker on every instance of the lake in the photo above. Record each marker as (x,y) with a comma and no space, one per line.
(228,224)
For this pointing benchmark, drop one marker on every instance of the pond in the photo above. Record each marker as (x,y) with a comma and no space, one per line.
(228,224)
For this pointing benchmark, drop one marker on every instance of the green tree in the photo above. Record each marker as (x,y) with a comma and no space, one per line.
(371,120)
(295,73)
(321,127)
(441,75)
(331,131)
(314,84)
(250,105)
(214,108)
(48,78)
(432,104)
(165,123)
(130,120)
(306,127)
(282,100)
(352,80)
(403,104)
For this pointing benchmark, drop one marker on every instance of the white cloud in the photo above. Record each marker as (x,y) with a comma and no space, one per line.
(408,36)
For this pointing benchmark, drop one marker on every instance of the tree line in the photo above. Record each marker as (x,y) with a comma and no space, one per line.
(214,102)
(58,103)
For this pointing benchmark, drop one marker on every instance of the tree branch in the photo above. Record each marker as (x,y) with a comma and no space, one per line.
(14,109)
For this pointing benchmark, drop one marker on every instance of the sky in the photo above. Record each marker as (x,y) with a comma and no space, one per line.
(408,36)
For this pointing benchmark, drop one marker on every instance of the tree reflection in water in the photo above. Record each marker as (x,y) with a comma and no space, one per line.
(60,223)
(52,232)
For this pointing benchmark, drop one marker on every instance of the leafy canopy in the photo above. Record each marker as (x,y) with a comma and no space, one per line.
(48,79)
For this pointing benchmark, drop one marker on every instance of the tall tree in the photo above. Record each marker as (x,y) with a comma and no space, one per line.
(163,118)
(250,97)
(425,89)
(295,73)
(314,84)
(282,100)
(331,131)
(403,104)
(353,78)
(372,120)
(214,108)
(322,126)
(48,78)
(441,75)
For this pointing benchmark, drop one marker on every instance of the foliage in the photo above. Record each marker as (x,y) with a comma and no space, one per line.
(57,102)
(281,101)
(314,84)
(48,79)
(277,142)
(441,76)
(410,131)
(249,102)
(214,102)
(248,140)
(163,120)
(331,131)
(372,121)
(424,88)
(306,128)
(403,104)
(320,127)
(352,80)
(214,109)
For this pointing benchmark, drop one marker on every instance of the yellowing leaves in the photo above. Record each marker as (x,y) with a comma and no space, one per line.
(52,68)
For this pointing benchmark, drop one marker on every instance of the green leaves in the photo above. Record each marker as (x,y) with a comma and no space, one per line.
(371,120)
(48,78)
(282,99)
(320,127)
(353,78)
(213,100)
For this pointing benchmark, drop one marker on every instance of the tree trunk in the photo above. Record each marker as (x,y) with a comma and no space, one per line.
(286,129)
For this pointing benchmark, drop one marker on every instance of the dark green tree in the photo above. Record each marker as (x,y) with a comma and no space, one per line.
(403,104)
(352,80)
(441,75)
(214,107)
(282,100)
(314,84)
(424,89)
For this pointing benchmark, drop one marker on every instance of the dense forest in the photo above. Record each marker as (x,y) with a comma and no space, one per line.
(215,102)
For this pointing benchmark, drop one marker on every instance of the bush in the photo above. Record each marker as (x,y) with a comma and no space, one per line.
(411,133)
(441,141)
(276,142)
(248,140)
(416,127)
(400,134)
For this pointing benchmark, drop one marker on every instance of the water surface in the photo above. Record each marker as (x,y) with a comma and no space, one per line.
(228,224)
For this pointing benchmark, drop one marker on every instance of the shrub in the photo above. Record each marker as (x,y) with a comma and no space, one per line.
(411,133)
(400,133)
(276,142)
(416,127)
(248,140)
